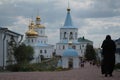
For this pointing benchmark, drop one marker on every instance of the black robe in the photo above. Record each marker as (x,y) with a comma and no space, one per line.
(108,53)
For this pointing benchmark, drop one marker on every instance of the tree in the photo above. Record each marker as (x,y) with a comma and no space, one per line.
(90,53)
(23,53)
(11,46)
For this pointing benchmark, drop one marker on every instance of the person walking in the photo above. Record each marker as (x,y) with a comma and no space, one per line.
(108,53)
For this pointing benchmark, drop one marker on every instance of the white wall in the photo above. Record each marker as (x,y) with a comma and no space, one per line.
(1,49)
(117,58)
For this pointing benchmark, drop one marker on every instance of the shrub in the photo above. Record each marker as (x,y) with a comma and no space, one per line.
(14,67)
(59,69)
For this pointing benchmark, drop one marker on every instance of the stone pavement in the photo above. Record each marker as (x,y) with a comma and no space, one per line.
(86,73)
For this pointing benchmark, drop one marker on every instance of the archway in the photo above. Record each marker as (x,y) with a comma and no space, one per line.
(70,62)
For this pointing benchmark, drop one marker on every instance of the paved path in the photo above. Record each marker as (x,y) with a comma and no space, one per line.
(86,73)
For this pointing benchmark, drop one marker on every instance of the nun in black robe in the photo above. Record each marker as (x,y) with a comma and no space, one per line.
(108,53)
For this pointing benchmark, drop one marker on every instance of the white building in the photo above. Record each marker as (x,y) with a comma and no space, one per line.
(37,38)
(70,57)
(117,50)
(68,32)
(6,37)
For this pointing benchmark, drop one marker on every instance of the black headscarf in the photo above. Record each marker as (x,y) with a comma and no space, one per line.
(108,37)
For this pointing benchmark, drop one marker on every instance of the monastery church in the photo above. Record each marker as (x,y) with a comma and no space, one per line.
(37,38)
(69,47)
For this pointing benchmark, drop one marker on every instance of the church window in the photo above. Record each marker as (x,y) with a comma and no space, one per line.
(76,35)
(45,51)
(65,35)
(60,35)
(40,51)
(71,35)
(81,51)
(32,40)
(74,47)
(83,45)
(63,47)
(41,31)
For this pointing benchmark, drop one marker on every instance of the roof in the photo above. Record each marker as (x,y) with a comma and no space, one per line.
(68,21)
(66,42)
(9,32)
(45,45)
(82,39)
(70,53)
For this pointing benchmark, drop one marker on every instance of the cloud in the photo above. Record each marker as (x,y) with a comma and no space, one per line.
(94,18)
(20,25)
(97,29)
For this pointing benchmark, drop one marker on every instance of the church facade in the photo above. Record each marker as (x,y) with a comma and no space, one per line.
(37,38)
(70,32)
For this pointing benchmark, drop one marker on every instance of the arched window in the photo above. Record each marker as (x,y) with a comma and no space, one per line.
(45,51)
(74,47)
(40,51)
(60,35)
(41,32)
(83,45)
(65,35)
(63,47)
(32,40)
(75,35)
(71,35)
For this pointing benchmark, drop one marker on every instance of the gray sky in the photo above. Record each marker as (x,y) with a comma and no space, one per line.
(94,18)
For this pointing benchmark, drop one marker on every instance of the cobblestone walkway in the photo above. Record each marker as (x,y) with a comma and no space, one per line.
(86,73)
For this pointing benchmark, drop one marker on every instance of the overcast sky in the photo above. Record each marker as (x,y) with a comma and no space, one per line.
(94,18)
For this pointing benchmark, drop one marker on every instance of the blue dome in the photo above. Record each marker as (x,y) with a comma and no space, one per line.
(70,53)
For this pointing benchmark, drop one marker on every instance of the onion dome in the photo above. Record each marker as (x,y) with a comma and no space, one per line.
(38,25)
(31,32)
(70,52)
(38,18)
(32,24)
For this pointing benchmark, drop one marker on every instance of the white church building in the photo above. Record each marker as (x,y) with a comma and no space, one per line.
(70,57)
(68,32)
(37,38)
